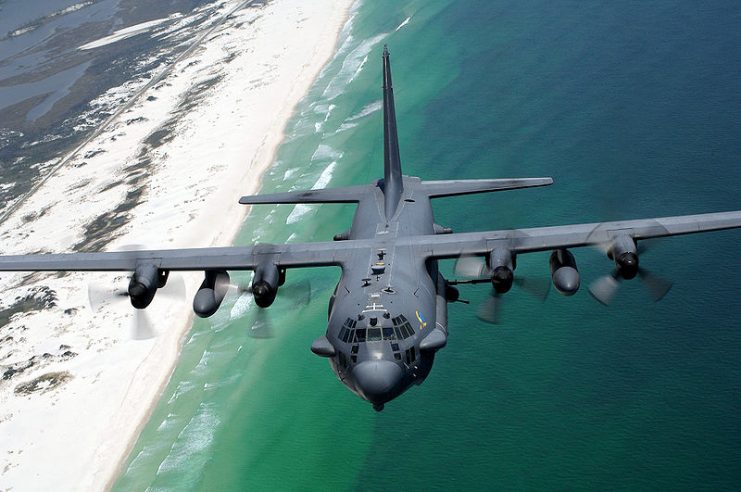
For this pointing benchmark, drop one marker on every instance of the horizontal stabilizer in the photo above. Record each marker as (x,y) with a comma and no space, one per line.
(437,189)
(350,194)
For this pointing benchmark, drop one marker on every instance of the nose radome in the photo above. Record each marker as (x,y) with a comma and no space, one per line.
(375,378)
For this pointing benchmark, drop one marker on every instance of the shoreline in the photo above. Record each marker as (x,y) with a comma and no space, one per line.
(230,234)
(115,382)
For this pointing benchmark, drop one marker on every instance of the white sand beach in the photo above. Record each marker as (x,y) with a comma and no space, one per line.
(183,152)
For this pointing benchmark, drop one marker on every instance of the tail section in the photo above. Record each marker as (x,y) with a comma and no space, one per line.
(393,181)
(393,185)
(438,189)
(350,194)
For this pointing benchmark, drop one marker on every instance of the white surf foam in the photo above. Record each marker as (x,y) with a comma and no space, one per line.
(351,67)
(300,210)
(406,21)
(367,110)
(189,453)
(325,152)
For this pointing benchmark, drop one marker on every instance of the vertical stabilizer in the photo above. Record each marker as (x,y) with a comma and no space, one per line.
(393,184)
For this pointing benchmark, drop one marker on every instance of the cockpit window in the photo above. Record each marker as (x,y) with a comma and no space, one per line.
(405,331)
(403,328)
(400,330)
(347,333)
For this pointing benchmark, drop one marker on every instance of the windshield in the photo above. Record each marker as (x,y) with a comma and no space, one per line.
(374,334)
(401,330)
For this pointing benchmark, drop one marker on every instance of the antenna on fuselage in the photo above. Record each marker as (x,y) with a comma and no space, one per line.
(393,183)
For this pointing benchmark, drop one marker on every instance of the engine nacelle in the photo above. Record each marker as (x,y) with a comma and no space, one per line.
(564,274)
(502,265)
(143,285)
(162,276)
(625,254)
(211,293)
(265,284)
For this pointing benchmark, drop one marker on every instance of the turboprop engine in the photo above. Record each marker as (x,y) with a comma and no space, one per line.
(625,254)
(144,284)
(502,265)
(211,293)
(564,274)
(265,284)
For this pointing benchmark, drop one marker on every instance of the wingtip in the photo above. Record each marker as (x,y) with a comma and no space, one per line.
(544,181)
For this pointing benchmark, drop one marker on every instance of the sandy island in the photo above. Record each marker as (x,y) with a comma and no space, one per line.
(76,387)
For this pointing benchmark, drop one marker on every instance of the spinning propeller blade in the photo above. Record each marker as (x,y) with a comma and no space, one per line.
(536,287)
(474,270)
(470,267)
(658,287)
(606,287)
(489,310)
(298,294)
(142,327)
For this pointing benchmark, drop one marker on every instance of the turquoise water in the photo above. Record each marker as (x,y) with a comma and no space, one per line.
(633,108)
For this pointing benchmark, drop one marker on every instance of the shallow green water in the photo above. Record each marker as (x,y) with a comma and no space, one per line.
(633,107)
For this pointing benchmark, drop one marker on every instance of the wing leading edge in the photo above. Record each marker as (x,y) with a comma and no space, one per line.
(299,255)
(296,255)
(568,236)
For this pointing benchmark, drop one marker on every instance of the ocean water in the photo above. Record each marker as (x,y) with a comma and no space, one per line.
(633,108)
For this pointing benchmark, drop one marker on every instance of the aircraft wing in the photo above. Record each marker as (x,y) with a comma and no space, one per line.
(568,236)
(293,255)
(298,255)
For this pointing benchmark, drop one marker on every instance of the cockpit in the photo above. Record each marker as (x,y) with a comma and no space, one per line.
(400,329)
(376,355)
(364,332)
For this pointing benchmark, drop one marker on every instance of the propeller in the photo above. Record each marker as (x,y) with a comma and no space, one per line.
(142,327)
(626,254)
(298,294)
(473,269)
(490,310)
(300,291)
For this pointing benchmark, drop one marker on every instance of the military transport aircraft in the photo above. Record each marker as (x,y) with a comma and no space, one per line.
(388,313)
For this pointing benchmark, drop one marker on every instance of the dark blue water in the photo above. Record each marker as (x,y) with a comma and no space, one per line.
(633,108)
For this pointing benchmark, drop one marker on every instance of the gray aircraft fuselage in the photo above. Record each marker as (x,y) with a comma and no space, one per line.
(382,308)
(387,302)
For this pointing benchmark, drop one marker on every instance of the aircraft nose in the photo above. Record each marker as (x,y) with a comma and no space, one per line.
(376,378)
